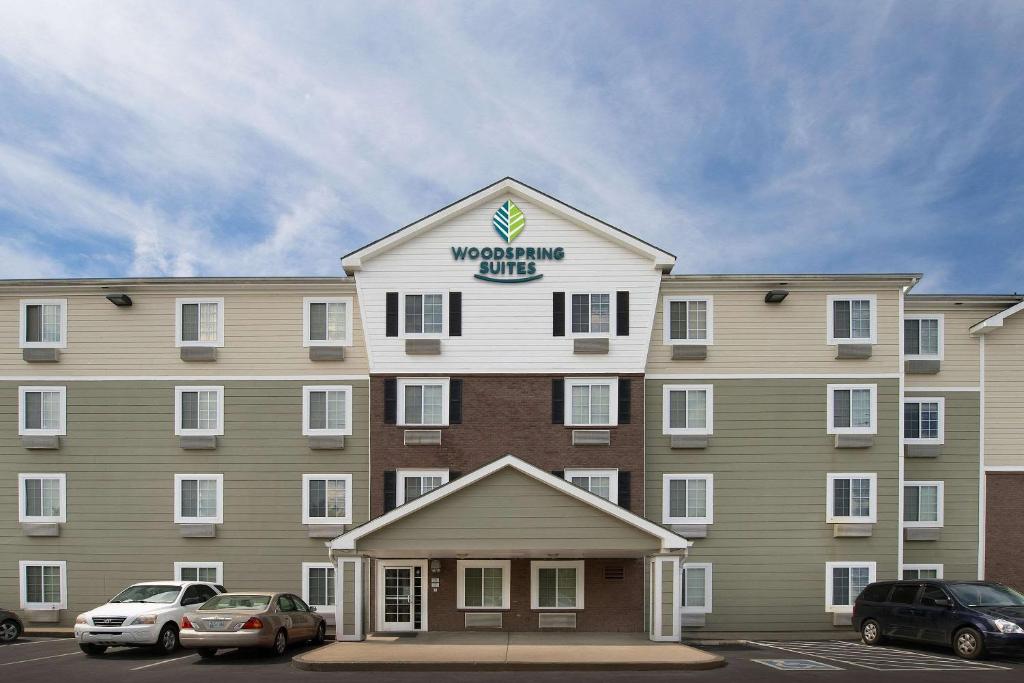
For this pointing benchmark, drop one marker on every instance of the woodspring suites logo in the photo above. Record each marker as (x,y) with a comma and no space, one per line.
(508,265)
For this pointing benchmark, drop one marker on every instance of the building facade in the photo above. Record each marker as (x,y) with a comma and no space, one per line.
(510,415)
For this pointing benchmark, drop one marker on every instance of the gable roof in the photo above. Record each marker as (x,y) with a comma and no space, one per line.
(353,261)
(996,321)
(670,541)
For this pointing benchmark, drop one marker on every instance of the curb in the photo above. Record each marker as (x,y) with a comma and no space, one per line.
(302,663)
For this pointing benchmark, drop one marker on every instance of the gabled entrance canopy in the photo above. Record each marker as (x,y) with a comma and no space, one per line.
(509,508)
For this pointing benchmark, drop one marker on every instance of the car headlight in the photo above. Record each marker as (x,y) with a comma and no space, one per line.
(1008,626)
(144,619)
(81,619)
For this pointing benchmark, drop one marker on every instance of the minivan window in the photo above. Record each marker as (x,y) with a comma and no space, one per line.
(157,594)
(904,595)
(931,594)
(981,595)
(877,592)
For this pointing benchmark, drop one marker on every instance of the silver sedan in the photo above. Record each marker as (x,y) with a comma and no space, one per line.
(251,620)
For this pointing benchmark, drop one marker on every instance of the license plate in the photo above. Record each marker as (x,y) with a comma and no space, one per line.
(218,625)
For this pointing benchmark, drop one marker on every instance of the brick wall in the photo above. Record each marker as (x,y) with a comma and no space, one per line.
(1004,533)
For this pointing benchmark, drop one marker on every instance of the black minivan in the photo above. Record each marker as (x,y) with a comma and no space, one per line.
(974,617)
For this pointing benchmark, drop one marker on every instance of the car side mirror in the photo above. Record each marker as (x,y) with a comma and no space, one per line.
(312,608)
(943,602)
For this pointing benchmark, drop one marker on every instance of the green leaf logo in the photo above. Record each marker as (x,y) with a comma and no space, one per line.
(508,221)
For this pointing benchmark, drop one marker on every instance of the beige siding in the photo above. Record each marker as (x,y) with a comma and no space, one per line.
(348,590)
(668,619)
(961,361)
(508,510)
(262,331)
(751,336)
(1004,394)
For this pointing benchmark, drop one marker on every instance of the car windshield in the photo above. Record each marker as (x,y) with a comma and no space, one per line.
(148,593)
(982,595)
(237,602)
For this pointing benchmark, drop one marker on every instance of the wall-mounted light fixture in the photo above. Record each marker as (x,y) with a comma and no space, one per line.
(435,566)
(119,299)
(776,296)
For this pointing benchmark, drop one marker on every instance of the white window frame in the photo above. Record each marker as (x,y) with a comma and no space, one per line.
(23,516)
(309,431)
(178,303)
(443,382)
(941,438)
(23,324)
(831,339)
(830,413)
(709,409)
(611,315)
(218,567)
(830,518)
(506,582)
(611,473)
(218,518)
(443,334)
(941,318)
(402,474)
(306,566)
(922,567)
(23,586)
(537,565)
(613,399)
(218,430)
(307,519)
(306,301)
(940,502)
(62,430)
(666,314)
(707,567)
(666,507)
(829,566)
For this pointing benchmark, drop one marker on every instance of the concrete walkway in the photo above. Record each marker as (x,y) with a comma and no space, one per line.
(475,651)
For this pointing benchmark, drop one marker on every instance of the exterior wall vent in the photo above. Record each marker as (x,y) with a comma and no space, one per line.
(556,620)
(614,572)
(483,619)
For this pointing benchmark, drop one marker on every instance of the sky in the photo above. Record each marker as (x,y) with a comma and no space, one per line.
(186,138)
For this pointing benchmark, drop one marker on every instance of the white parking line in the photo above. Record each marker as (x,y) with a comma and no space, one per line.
(36,659)
(41,642)
(163,661)
(878,658)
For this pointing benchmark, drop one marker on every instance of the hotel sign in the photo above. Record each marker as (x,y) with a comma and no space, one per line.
(508,265)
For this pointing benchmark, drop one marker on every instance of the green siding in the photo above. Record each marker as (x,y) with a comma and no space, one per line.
(120,456)
(769,542)
(348,590)
(667,575)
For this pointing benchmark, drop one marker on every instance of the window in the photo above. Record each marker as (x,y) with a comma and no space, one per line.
(923,420)
(44,584)
(414,483)
(423,314)
(592,402)
(44,324)
(922,503)
(687,498)
(198,498)
(851,319)
(852,408)
(199,322)
(556,585)
(326,321)
(696,585)
(604,483)
(42,498)
(904,594)
(484,584)
(199,411)
(591,313)
(687,409)
(688,319)
(209,572)
(843,583)
(423,402)
(42,411)
(851,498)
(327,411)
(913,572)
(318,585)
(326,499)
(922,337)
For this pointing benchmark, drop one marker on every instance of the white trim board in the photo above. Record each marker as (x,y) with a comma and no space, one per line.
(1004,468)
(996,321)
(741,375)
(181,378)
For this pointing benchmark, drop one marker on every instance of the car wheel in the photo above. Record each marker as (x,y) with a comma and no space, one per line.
(168,640)
(280,643)
(9,631)
(93,650)
(968,643)
(207,652)
(321,634)
(871,632)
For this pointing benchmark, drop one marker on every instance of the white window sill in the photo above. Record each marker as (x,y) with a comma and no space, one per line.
(706,521)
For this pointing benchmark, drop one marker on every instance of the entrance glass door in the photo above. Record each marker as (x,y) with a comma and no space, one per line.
(398,599)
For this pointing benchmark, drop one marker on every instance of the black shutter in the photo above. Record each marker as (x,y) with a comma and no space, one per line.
(624,489)
(390,401)
(390,486)
(558,314)
(454,314)
(455,402)
(557,401)
(391,314)
(624,401)
(622,314)
(559,473)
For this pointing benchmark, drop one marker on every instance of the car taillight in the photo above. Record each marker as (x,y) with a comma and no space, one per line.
(253,623)
(185,623)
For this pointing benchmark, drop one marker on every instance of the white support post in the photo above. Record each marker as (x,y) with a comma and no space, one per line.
(666,576)
(348,568)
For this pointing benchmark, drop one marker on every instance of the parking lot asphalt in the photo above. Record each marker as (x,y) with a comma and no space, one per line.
(42,660)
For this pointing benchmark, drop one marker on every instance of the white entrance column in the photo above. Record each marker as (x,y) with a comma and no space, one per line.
(666,598)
